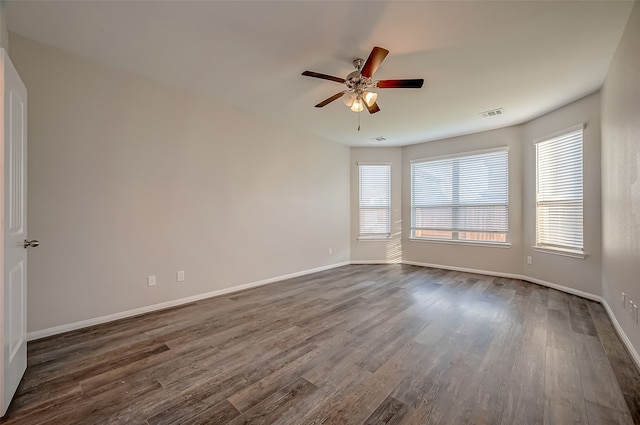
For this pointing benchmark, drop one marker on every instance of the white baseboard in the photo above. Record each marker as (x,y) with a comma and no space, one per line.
(583,294)
(562,288)
(623,336)
(173,303)
(376,262)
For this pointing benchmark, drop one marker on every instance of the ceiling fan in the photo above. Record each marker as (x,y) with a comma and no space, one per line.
(360,83)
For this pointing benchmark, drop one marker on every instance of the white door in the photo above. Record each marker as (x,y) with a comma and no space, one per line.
(14,267)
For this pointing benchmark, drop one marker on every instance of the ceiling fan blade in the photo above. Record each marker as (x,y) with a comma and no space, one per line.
(329,100)
(374,60)
(400,84)
(323,76)
(373,108)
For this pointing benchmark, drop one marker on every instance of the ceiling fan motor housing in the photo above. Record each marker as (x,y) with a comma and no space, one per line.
(355,81)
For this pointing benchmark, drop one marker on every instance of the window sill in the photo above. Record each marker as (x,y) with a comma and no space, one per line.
(374,238)
(469,243)
(562,252)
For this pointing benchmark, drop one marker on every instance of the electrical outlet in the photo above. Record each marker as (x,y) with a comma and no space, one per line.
(529,259)
(151,280)
(180,276)
(623,298)
(330,251)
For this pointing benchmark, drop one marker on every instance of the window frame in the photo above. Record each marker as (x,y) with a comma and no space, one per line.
(374,236)
(455,187)
(563,250)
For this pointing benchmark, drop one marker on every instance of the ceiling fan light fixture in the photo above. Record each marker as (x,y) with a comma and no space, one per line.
(349,98)
(358,105)
(370,97)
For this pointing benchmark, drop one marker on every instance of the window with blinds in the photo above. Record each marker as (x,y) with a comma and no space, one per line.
(375,200)
(463,198)
(559,192)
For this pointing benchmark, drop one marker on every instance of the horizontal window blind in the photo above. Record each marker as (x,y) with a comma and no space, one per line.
(375,200)
(559,192)
(461,198)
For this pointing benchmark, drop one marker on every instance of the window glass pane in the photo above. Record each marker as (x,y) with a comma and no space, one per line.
(487,218)
(432,234)
(483,237)
(433,218)
(435,184)
(559,197)
(461,198)
(375,200)
(374,221)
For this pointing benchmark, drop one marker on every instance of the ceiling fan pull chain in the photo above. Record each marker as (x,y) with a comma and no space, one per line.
(358,120)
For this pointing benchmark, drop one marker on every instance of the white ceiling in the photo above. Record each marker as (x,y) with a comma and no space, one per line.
(526,57)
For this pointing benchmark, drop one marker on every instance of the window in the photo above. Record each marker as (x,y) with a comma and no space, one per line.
(462,198)
(375,201)
(559,192)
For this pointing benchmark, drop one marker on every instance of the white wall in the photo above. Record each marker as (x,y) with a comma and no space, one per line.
(580,274)
(129,178)
(377,251)
(621,178)
(468,256)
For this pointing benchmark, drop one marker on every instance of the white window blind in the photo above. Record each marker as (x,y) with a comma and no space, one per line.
(463,198)
(559,192)
(375,200)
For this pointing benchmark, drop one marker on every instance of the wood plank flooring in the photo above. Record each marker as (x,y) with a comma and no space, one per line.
(389,344)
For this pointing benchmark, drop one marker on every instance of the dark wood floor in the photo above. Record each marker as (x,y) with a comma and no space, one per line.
(354,345)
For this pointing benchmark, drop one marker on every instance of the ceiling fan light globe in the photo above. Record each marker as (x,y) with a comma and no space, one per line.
(370,97)
(349,98)
(358,105)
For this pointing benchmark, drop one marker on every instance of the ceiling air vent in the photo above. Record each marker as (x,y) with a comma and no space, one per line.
(492,113)
(379,139)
